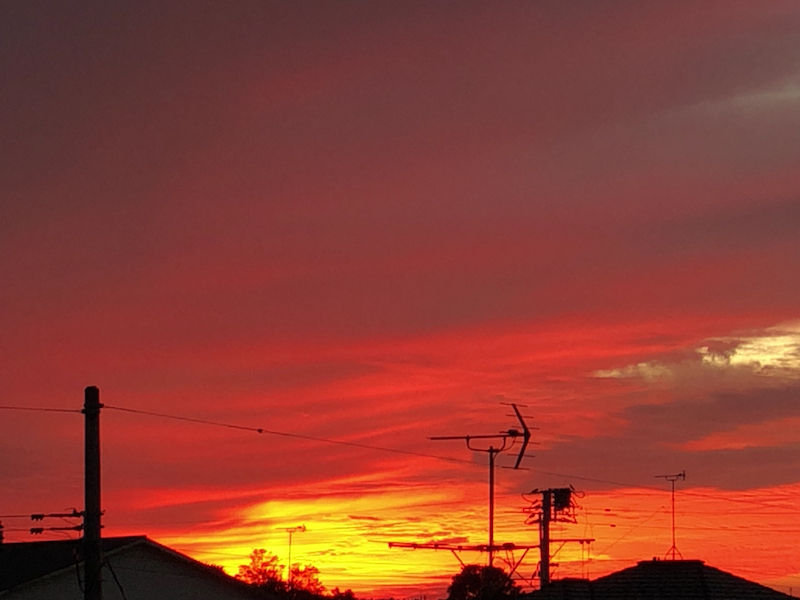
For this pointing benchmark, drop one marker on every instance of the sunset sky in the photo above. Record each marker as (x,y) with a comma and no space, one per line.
(373,222)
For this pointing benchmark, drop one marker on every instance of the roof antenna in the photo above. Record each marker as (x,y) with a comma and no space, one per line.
(492,451)
(673,552)
(507,440)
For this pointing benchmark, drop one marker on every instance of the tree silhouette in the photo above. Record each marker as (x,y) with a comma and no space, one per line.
(263,571)
(336,594)
(266,573)
(481,583)
(306,579)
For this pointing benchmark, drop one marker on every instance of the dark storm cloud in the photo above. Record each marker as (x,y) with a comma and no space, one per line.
(730,229)
(686,420)
(651,443)
(612,462)
(386,163)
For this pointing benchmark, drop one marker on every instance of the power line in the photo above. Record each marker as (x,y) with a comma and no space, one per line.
(261,430)
(630,531)
(657,489)
(41,409)
(116,580)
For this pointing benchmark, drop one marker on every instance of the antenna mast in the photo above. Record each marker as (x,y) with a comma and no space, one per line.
(492,451)
(506,441)
(291,531)
(673,551)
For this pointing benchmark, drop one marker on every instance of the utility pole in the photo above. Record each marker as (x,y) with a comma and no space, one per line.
(556,505)
(92,540)
(673,551)
(544,539)
(492,454)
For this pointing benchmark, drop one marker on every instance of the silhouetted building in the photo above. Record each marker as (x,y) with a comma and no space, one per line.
(660,580)
(135,568)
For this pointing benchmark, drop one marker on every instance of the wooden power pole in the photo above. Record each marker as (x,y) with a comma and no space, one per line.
(544,539)
(92,540)
(555,506)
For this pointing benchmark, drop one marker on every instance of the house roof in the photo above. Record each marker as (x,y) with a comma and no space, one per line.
(662,580)
(24,562)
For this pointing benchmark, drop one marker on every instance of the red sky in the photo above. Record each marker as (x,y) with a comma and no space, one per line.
(373,222)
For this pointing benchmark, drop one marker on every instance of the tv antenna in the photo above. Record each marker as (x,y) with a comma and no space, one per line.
(673,551)
(505,440)
(291,531)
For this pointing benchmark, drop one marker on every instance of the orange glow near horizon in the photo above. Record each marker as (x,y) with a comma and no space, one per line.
(347,536)
(351,518)
(593,387)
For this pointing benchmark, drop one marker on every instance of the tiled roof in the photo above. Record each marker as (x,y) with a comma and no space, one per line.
(662,580)
(26,561)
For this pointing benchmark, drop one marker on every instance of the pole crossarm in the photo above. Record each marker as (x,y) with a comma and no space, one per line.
(460,547)
(70,515)
(41,530)
(508,548)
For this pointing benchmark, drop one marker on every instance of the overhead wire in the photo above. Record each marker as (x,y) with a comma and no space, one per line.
(256,430)
(630,531)
(116,579)
(261,430)
(42,409)
(660,490)
(394,450)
